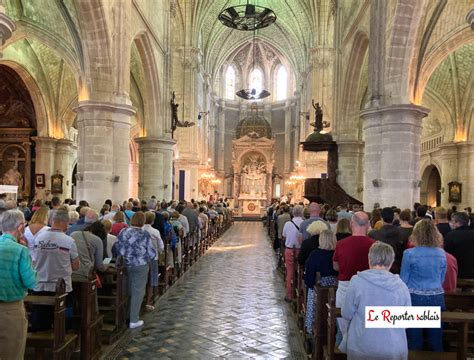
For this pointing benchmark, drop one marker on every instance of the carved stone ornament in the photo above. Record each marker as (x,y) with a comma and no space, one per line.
(7,27)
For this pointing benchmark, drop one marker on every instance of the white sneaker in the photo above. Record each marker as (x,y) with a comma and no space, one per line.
(134,325)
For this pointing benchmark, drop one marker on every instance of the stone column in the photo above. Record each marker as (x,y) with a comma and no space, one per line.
(103,151)
(350,167)
(243,108)
(44,163)
(65,155)
(287,158)
(221,128)
(155,167)
(392,154)
(449,169)
(267,113)
(465,173)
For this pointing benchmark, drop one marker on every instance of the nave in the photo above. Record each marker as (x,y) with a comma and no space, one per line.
(229,305)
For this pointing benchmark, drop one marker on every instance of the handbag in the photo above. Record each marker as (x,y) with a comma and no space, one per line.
(98,282)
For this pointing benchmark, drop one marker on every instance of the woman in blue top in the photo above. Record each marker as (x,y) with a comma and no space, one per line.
(320,260)
(137,249)
(423,270)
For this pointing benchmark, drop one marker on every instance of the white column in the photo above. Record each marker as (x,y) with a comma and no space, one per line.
(287,158)
(350,167)
(65,155)
(103,151)
(392,154)
(155,167)
(221,130)
(44,163)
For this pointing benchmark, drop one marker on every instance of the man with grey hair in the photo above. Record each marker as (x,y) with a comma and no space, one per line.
(293,239)
(90,217)
(17,276)
(110,215)
(56,257)
(374,287)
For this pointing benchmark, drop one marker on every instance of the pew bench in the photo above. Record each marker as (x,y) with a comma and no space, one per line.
(87,316)
(462,320)
(60,344)
(112,301)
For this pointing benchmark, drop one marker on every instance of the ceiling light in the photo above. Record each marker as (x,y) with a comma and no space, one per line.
(247,17)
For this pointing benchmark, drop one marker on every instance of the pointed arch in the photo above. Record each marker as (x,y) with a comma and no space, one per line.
(154,119)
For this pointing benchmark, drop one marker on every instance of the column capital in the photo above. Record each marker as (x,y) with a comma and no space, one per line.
(45,141)
(470,18)
(149,142)
(92,105)
(394,114)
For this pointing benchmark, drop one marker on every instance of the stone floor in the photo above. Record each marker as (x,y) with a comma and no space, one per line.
(228,305)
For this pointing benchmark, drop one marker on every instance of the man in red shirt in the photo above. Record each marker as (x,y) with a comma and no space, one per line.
(351,255)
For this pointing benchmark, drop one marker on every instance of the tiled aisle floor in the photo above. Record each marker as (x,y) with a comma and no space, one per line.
(229,305)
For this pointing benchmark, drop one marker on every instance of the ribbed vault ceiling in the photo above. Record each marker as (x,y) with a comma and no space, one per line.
(291,34)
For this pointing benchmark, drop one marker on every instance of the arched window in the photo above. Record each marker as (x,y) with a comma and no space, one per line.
(256,80)
(281,83)
(230,83)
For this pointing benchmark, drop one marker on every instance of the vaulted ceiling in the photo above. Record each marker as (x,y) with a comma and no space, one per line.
(291,34)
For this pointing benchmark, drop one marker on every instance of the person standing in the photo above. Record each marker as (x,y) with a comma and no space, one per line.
(135,245)
(17,276)
(292,238)
(423,271)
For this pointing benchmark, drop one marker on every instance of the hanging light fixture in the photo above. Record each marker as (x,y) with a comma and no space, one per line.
(252,93)
(247,17)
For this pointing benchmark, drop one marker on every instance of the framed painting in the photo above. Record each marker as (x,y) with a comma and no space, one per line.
(39,180)
(57,184)
(455,192)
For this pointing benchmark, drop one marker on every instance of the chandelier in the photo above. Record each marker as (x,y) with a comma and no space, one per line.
(251,94)
(247,17)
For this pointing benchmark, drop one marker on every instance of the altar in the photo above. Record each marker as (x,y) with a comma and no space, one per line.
(252,161)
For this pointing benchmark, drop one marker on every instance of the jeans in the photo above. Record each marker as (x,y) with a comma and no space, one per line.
(137,277)
(434,337)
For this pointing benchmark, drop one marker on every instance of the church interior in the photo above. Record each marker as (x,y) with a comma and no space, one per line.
(248,104)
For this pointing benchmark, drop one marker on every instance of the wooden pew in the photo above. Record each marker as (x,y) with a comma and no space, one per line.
(320,321)
(90,321)
(462,319)
(465,284)
(113,300)
(330,351)
(459,332)
(164,267)
(300,295)
(56,339)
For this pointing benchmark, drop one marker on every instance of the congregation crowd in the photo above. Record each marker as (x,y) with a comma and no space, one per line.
(387,257)
(42,242)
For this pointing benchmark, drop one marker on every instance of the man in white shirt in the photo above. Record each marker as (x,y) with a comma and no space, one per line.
(293,238)
(56,257)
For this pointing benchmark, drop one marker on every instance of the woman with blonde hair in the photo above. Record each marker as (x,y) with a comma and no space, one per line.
(119,223)
(423,271)
(37,224)
(308,245)
(319,261)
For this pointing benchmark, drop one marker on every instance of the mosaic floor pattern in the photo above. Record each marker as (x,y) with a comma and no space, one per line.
(229,305)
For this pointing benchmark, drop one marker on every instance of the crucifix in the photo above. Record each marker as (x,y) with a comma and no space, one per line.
(15,157)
